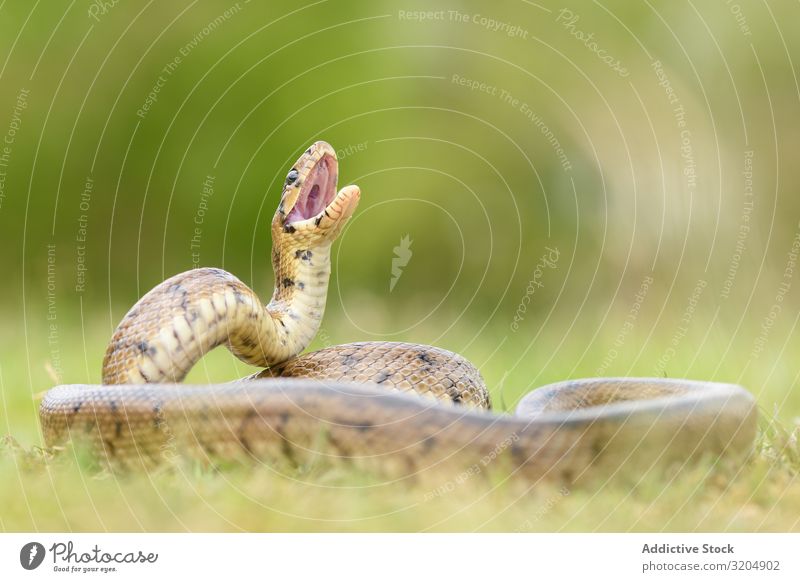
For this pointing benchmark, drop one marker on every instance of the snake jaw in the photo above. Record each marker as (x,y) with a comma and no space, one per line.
(310,202)
(313,192)
(310,185)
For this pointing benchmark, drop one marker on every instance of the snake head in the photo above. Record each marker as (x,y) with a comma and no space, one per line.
(311,210)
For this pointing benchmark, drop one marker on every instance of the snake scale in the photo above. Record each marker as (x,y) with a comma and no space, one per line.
(358,403)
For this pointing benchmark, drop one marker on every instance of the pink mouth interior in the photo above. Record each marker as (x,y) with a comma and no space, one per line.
(318,190)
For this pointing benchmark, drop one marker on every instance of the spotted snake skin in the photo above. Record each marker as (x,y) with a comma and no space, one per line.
(397,408)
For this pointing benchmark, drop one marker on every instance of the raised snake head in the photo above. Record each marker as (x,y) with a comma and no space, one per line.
(311,212)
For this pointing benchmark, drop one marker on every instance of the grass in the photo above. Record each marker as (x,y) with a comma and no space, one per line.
(68,492)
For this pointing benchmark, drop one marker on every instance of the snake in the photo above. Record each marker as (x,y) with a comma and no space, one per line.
(396,408)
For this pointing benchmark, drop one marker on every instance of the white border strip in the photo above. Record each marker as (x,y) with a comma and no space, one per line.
(403,557)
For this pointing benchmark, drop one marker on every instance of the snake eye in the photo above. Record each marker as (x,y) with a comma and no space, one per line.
(291,177)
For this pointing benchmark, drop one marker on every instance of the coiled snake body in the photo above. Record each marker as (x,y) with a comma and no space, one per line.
(336,401)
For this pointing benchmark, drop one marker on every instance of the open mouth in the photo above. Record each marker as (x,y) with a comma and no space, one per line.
(316,192)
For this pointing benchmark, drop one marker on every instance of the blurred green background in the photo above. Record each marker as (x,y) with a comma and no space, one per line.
(649,149)
(586,189)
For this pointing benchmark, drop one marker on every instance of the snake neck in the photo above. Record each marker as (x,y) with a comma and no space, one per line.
(171,328)
(298,302)
(267,336)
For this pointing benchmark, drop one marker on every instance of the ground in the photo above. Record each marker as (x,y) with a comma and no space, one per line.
(69,492)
